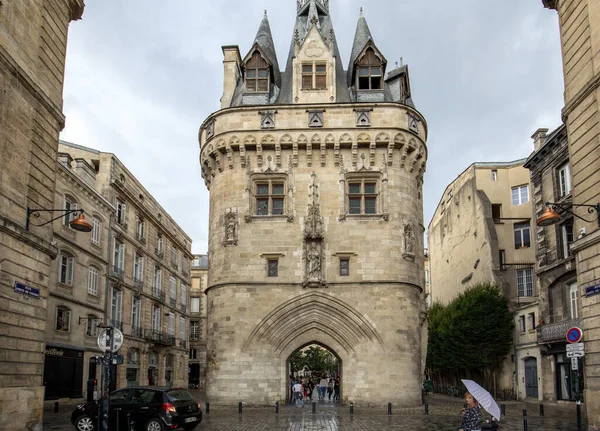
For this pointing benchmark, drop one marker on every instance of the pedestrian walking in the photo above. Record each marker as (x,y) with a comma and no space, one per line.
(330,389)
(298,393)
(322,387)
(336,389)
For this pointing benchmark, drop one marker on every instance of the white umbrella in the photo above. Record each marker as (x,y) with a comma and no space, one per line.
(484,398)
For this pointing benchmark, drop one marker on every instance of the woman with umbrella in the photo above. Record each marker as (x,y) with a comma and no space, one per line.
(472,415)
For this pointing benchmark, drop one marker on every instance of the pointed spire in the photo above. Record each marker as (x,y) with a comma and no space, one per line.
(313,15)
(264,39)
(361,38)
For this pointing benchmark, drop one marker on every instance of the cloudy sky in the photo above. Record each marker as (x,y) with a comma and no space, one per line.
(142,75)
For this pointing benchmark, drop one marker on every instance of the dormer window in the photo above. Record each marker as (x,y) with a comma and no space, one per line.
(369,71)
(257,74)
(314,76)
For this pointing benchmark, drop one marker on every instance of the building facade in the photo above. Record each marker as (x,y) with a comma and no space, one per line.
(33,39)
(76,297)
(197,368)
(481,232)
(579,22)
(147,288)
(556,278)
(316,218)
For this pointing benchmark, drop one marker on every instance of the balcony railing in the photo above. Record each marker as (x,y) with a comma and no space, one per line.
(183,308)
(117,271)
(172,302)
(121,222)
(158,337)
(137,332)
(549,332)
(158,294)
(140,238)
(138,283)
(174,264)
(116,324)
(159,253)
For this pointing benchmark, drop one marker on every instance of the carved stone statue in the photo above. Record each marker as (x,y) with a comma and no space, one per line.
(409,242)
(230,222)
(314,262)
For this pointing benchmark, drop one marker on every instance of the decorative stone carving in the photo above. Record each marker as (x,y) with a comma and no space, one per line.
(363,118)
(313,239)
(413,123)
(315,118)
(409,242)
(267,119)
(210,129)
(230,222)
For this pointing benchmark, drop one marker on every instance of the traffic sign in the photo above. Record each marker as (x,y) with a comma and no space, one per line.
(575,347)
(117,337)
(574,335)
(117,359)
(574,364)
(575,354)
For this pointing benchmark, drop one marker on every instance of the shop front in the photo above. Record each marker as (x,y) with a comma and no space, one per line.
(63,372)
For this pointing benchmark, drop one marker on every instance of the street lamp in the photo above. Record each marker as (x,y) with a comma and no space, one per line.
(79,224)
(551,217)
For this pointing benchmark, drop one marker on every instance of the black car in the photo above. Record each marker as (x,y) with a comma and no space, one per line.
(146,409)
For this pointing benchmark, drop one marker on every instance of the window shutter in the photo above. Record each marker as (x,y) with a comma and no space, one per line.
(70,264)
(121,256)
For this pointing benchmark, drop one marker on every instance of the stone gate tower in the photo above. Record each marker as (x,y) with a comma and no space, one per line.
(316,217)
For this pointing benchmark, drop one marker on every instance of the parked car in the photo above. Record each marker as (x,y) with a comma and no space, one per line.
(147,409)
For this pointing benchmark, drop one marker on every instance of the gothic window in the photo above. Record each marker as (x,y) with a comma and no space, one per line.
(344,267)
(369,71)
(362,196)
(257,74)
(314,76)
(270,197)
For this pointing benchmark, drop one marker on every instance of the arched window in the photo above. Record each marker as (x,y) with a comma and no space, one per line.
(66,266)
(257,74)
(369,71)
(63,319)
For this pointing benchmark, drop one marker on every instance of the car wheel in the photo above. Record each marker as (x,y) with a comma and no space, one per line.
(154,424)
(84,423)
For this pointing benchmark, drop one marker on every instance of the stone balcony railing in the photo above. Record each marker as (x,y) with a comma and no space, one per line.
(552,332)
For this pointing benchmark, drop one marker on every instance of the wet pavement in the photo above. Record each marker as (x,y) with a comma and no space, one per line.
(329,416)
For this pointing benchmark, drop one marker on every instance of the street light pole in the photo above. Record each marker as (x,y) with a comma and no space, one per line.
(107,362)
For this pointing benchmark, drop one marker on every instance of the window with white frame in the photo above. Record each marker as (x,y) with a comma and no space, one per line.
(138,267)
(66,267)
(116,305)
(63,319)
(525,282)
(173,256)
(196,262)
(171,324)
(494,174)
(93,281)
(567,238)
(69,205)
(121,212)
(564,180)
(119,255)
(194,330)
(520,195)
(195,305)
(155,318)
(182,328)
(95,231)
(173,285)
(91,329)
(573,301)
(136,311)
(140,228)
(159,243)
(522,235)
(157,279)
(183,294)
(184,264)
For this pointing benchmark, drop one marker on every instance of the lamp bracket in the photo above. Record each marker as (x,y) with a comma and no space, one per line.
(35,213)
(565,207)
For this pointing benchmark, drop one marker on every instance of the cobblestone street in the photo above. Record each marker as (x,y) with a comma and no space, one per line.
(329,417)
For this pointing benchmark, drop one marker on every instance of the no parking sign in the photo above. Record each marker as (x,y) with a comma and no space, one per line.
(574,335)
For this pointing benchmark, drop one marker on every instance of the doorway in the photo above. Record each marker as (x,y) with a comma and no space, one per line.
(531,378)
(319,370)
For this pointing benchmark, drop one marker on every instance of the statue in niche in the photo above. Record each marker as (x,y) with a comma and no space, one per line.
(230,222)
(409,242)
(313,238)
(314,262)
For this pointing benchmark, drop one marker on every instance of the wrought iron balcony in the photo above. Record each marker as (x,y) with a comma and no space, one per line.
(158,294)
(137,332)
(121,222)
(183,308)
(159,253)
(174,264)
(138,283)
(173,302)
(552,332)
(117,271)
(140,238)
(158,337)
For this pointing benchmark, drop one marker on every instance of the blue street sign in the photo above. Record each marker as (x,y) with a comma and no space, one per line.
(592,290)
(23,289)
(574,335)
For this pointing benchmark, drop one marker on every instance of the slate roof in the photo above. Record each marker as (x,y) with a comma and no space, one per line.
(264,39)
(361,38)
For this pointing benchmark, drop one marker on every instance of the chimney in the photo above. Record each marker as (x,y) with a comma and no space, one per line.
(539,138)
(65,159)
(232,65)
(85,172)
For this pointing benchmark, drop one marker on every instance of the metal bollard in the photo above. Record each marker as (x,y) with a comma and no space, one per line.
(314,407)
(579,416)
(541,410)
(118,418)
(502,409)
(276,407)
(240,408)
(56,407)
(207,407)
(426,409)
(351,408)
(389,408)
(524,419)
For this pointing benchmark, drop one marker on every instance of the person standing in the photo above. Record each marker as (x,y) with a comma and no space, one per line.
(472,415)
(322,387)
(330,388)
(298,393)
(336,389)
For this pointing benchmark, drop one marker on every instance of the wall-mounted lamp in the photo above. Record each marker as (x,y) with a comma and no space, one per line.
(551,217)
(79,224)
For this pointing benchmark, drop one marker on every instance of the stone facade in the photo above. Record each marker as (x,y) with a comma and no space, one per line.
(198,317)
(472,239)
(316,223)
(147,289)
(556,279)
(33,38)
(580,38)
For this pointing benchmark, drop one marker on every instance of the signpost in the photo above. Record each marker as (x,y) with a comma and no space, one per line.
(110,341)
(575,350)
(574,335)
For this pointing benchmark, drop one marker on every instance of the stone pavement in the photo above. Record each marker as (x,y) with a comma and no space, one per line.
(443,416)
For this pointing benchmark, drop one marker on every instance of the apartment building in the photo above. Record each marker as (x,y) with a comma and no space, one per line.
(197,369)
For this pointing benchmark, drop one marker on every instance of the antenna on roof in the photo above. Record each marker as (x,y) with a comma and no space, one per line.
(265,13)
(401,61)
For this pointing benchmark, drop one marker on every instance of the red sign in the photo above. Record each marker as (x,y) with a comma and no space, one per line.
(574,335)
